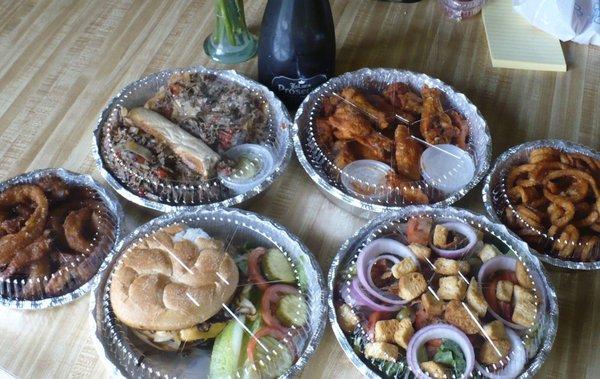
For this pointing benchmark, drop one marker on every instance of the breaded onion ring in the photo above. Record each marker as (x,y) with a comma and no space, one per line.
(34,226)
(32,252)
(38,273)
(88,229)
(77,225)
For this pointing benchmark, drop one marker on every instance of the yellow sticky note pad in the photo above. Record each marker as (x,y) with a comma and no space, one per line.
(515,43)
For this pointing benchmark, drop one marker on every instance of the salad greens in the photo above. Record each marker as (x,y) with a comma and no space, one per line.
(450,354)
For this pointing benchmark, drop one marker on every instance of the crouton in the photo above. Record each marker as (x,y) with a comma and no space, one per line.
(457,314)
(440,235)
(434,369)
(403,333)
(347,318)
(475,299)
(405,266)
(422,252)
(381,350)
(411,286)
(446,266)
(385,329)
(523,277)
(494,352)
(504,290)
(433,306)
(488,252)
(451,288)
(525,304)
(495,330)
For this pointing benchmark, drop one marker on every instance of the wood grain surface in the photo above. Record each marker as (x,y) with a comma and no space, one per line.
(61,61)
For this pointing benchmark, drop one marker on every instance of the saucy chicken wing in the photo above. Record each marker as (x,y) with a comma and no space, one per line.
(354,96)
(408,153)
(402,97)
(436,126)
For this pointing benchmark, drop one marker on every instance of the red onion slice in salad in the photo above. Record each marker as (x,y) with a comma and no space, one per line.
(438,331)
(516,360)
(506,263)
(465,230)
(357,292)
(382,247)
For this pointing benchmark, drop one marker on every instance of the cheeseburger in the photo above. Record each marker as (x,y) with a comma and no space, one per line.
(170,287)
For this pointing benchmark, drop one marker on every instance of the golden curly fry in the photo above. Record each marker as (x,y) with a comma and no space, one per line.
(555,203)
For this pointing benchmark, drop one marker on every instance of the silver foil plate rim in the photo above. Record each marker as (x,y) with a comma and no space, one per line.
(276,231)
(551,320)
(280,114)
(113,205)
(505,160)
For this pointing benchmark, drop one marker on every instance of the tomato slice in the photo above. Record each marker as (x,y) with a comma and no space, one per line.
(506,310)
(266,331)
(490,294)
(254,273)
(503,308)
(271,296)
(418,230)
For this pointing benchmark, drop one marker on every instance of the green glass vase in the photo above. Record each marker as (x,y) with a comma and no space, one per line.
(230,42)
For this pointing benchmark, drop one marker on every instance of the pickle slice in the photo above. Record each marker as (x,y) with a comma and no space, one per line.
(277,268)
(292,310)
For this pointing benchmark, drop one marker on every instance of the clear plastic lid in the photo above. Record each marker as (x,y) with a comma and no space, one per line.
(549,194)
(56,229)
(400,126)
(165,138)
(213,295)
(439,296)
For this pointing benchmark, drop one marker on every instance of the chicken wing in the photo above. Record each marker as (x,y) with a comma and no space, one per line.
(410,194)
(324,132)
(355,97)
(408,153)
(349,124)
(402,97)
(436,126)
(463,129)
(343,154)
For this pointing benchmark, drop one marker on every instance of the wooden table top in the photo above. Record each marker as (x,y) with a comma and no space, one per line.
(61,61)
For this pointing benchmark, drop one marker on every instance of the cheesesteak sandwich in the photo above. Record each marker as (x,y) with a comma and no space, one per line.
(170,287)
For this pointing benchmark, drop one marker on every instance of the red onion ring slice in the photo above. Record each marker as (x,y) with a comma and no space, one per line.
(357,292)
(370,254)
(516,363)
(464,229)
(504,262)
(443,331)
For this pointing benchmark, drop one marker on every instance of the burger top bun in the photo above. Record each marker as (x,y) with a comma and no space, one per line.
(165,282)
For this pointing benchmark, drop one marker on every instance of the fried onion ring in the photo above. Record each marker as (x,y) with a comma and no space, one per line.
(34,226)
(76,233)
(25,256)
